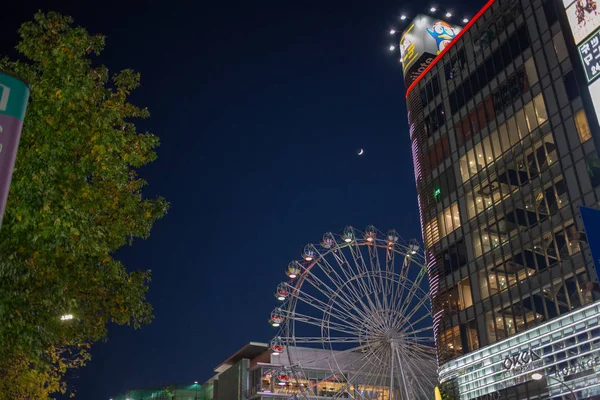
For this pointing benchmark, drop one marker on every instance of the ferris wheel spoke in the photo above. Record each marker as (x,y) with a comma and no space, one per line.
(425,329)
(414,289)
(405,372)
(358,255)
(340,312)
(419,339)
(383,283)
(331,355)
(424,353)
(422,303)
(319,339)
(412,370)
(408,327)
(406,302)
(361,272)
(341,283)
(330,293)
(369,357)
(389,271)
(322,323)
(337,293)
(398,297)
(361,283)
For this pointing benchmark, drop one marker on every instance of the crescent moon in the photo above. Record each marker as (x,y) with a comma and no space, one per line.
(360,152)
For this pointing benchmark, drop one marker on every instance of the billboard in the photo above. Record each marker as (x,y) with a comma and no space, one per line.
(589,52)
(423,39)
(583,18)
(14,94)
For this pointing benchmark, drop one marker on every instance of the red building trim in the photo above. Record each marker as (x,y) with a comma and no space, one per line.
(435,60)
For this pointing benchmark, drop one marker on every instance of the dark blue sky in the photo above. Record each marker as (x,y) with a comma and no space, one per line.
(260,107)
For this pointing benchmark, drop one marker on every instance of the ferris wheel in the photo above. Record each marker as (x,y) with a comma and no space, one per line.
(355,320)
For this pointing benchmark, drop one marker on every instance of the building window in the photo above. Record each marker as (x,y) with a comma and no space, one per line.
(486,195)
(571,85)
(444,185)
(532,76)
(484,242)
(431,233)
(454,257)
(583,128)
(451,344)
(449,220)
(501,140)
(465,299)
(540,109)
(550,11)
(472,335)
(560,47)
(593,167)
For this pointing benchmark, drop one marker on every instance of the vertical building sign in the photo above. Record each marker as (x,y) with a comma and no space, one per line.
(14,94)
(584,21)
(421,42)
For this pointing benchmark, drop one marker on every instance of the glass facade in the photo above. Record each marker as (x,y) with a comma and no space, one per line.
(504,155)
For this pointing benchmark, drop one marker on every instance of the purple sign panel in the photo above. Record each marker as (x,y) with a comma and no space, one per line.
(14,94)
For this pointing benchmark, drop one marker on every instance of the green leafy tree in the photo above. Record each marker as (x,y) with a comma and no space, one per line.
(75,199)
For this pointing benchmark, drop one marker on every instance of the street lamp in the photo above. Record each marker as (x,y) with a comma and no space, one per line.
(536,376)
(196,384)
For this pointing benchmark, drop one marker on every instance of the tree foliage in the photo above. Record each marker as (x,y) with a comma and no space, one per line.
(75,198)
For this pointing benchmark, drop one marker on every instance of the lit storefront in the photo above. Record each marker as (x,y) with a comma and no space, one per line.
(564,352)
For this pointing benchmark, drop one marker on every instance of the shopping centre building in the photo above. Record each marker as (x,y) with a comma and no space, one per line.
(256,372)
(504,133)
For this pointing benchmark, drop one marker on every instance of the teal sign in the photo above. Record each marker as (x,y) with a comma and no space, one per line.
(14,94)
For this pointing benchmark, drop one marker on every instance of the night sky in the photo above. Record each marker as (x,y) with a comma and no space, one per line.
(260,107)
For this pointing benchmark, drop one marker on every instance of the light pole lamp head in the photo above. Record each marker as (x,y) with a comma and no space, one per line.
(536,376)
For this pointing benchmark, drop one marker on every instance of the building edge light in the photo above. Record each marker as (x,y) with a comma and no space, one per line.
(439,56)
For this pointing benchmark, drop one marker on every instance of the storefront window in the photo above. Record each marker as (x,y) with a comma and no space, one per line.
(583,128)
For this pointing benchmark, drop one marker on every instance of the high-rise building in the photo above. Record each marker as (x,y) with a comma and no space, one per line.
(505,135)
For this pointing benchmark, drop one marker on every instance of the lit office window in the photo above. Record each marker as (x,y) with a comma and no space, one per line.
(449,220)
(583,128)
(465,299)
(504,138)
(484,242)
(540,109)
(532,76)
(560,47)
(431,233)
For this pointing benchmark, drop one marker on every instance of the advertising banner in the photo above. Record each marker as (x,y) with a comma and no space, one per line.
(591,222)
(584,18)
(14,95)
(589,52)
(423,39)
